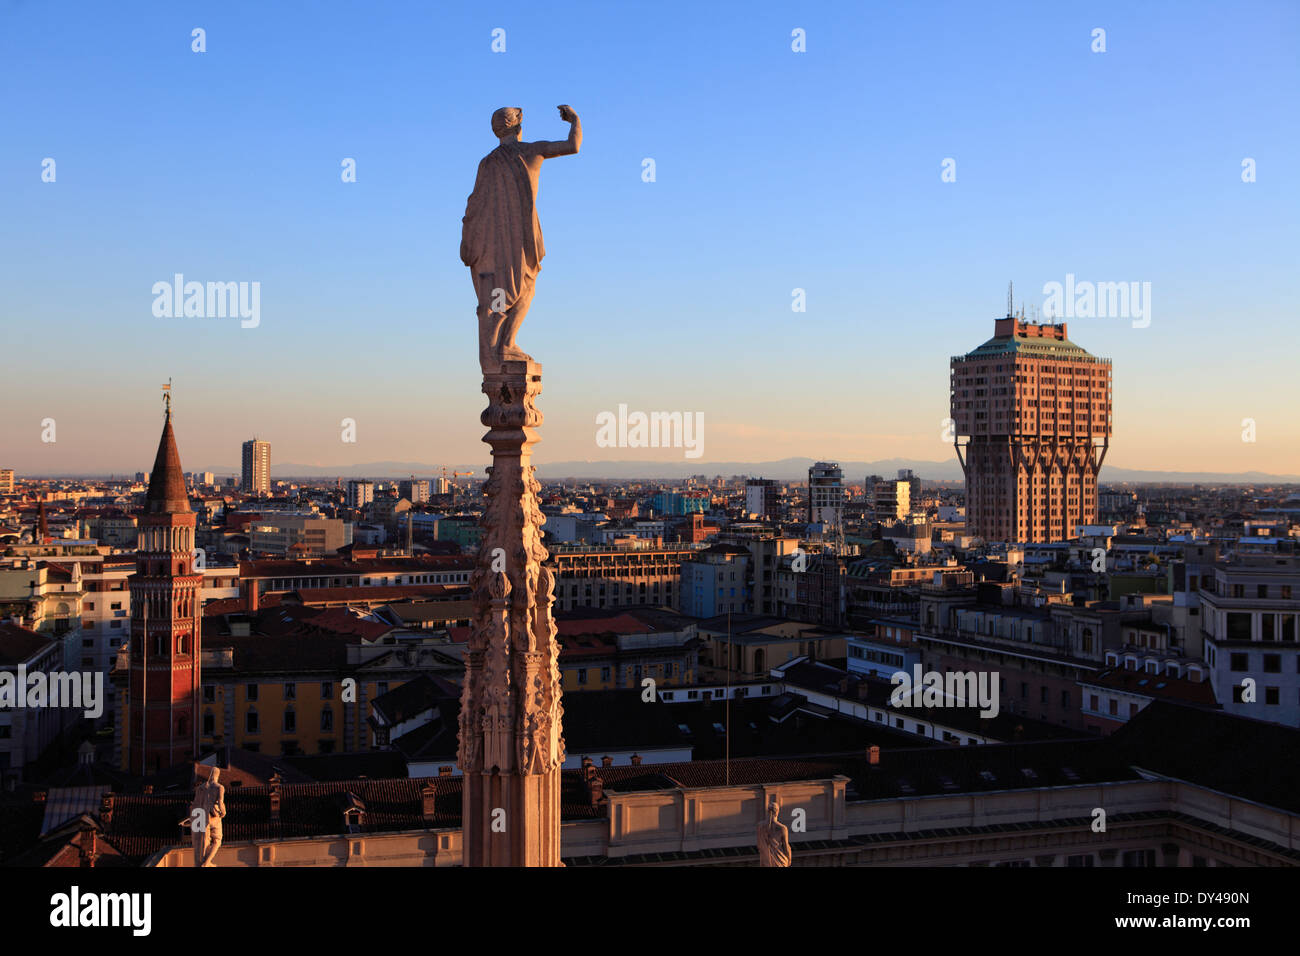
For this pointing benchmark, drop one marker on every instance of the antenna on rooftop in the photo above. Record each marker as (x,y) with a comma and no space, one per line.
(1010,299)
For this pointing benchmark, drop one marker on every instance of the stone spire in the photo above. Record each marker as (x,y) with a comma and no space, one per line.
(511,740)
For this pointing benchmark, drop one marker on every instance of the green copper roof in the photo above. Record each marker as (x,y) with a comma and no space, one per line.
(1035,347)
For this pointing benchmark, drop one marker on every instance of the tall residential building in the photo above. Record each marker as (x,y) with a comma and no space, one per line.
(360,493)
(825,493)
(913,485)
(1032,415)
(256,477)
(415,490)
(761,497)
(892,500)
(164,653)
(6,481)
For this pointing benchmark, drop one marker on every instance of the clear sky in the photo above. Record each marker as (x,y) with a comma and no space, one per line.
(774,170)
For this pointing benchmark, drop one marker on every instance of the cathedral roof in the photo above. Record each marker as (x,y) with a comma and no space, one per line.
(167,492)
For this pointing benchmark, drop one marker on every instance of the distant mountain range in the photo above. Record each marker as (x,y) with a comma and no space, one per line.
(785,469)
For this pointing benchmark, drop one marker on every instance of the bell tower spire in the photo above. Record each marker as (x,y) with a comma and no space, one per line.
(163,681)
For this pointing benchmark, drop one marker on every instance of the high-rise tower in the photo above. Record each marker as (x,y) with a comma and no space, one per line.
(825,494)
(1032,416)
(256,473)
(164,663)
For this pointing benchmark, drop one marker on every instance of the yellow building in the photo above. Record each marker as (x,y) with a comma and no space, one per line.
(746,646)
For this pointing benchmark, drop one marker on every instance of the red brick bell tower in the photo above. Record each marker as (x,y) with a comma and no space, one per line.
(163,676)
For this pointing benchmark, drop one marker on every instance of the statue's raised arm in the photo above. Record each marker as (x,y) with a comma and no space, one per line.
(564,147)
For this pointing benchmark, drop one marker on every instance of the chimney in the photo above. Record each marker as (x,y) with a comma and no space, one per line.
(444,771)
(148,789)
(844,685)
(873,755)
(595,790)
(607,761)
(106,809)
(636,760)
(87,849)
(588,768)
(276,781)
(252,595)
(863,687)
(428,799)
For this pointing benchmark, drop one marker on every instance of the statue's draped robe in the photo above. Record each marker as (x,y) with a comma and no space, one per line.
(501,235)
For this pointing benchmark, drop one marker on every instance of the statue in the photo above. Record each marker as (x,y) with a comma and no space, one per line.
(773,838)
(501,239)
(205,818)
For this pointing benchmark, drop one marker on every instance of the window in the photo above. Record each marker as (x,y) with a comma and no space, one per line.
(582,675)
(250,722)
(209,693)
(326,690)
(209,724)
(290,691)
(1272,663)
(1271,696)
(604,673)
(250,691)
(327,720)
(290,722)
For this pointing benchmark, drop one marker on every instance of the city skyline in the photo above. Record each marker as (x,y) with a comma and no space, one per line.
(1125,166)
(892,465)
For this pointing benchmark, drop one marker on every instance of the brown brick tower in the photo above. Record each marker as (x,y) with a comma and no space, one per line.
(163,676)
(1033,423)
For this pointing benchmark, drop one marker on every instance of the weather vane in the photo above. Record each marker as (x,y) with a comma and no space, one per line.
(167,397)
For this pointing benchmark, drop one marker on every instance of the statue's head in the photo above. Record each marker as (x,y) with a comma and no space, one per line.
(215,775)
(506,121)
(774,809)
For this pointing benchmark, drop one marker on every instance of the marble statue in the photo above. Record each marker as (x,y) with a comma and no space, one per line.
(501,238)
(773,838)
(208,808)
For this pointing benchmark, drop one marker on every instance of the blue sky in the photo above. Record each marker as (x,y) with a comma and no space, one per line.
(775,170)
